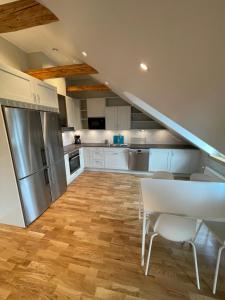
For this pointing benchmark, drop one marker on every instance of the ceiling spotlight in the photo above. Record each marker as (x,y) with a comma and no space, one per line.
(144,67)
(84,53)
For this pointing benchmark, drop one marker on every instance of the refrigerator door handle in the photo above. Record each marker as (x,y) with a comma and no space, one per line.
(46,176)
(43,157)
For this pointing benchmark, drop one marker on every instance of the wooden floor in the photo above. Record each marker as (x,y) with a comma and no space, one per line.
(87,246)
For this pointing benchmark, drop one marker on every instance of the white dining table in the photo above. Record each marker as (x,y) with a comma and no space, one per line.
(200,200)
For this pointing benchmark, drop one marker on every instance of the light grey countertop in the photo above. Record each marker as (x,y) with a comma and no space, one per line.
(72,147)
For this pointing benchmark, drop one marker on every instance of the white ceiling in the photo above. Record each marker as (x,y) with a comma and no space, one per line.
(181,41)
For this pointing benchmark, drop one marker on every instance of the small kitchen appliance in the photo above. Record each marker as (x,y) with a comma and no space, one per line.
(77,139)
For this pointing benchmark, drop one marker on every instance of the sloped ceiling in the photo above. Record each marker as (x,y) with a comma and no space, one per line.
(181,41)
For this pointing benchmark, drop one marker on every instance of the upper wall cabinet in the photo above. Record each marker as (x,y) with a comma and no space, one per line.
(118,117)
(45,94)
(96,107)
(15,85)
(18,86)
(73,113)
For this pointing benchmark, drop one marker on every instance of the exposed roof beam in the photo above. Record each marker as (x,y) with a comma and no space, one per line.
(23,14)
(85,88)
(62,71)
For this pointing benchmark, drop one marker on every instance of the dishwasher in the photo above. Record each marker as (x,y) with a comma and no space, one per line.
(138,159)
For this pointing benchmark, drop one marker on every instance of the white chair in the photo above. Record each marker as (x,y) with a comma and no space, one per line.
(218,229)
(201,177)
(163,175)
(177,229)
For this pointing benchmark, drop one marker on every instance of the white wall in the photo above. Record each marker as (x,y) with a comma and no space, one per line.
(12,56)
(153,136)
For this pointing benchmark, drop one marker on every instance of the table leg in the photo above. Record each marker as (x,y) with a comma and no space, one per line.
(143,239)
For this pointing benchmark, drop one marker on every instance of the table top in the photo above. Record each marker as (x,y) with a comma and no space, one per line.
(203,200)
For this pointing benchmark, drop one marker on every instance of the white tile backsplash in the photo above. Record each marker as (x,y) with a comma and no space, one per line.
(150,136)
(68,138)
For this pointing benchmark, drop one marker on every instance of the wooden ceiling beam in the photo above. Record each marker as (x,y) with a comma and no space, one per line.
(62,71)
(24,14)
(85,88)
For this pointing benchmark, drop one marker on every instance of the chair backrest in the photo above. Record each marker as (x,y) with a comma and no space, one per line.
(201,177)
(176,228)
(162,175)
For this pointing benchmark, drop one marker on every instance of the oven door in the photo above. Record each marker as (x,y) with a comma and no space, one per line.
(74,162)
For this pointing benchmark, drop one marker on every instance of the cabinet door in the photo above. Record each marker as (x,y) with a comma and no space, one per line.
(111,117)
(16,85)
(46,94)
(159,160)
(96,107)
(81,153)
(70,111)
(184,161)
(77,121)
(116,159)
(87,158)
(123,117)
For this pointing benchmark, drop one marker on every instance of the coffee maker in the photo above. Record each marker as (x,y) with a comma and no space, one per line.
(77,139)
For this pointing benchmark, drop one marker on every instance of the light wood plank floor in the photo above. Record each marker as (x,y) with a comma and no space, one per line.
(87,246)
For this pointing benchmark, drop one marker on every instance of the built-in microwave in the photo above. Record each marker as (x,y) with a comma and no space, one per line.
(96,123)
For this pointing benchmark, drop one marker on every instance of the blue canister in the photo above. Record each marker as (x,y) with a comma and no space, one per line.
(118,139)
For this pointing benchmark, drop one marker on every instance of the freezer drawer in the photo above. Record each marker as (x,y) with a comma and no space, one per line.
(35,195)
(58,179)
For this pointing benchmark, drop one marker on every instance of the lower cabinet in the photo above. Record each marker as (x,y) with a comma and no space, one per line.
(184,161)
(116,159)
(106,158)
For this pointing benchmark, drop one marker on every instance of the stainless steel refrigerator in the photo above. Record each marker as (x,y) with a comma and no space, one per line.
(37,155)
(55,154)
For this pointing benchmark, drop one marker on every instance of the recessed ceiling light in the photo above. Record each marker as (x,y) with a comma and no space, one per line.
(143,66)
(84,53)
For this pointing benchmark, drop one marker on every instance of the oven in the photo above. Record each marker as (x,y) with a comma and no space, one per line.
(74,161)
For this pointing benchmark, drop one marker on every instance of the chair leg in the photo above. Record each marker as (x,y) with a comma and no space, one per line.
(147,226)
(149,252)
(217,268)
(196,264)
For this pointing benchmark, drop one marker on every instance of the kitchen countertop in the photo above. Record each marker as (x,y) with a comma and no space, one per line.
(72,147)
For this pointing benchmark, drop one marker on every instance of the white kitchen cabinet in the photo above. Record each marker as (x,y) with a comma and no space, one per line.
(184,161)
(87,157)
(73,113)
(159,160)
(111,117)
(96,107)
(124,117)
(46,94)
(116,159)
(97,158)
(16,85)
(81,153)
(118,117)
